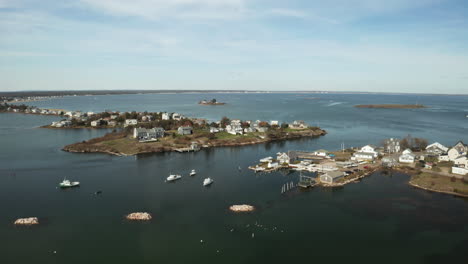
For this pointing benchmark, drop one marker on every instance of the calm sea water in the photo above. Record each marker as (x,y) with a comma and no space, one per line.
(379,220)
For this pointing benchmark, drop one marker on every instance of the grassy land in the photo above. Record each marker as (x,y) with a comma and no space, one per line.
(440,183)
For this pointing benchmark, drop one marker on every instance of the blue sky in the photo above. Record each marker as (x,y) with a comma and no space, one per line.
(340,45)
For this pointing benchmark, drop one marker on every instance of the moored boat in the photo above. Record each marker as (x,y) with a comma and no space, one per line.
(173,177)
(207,181)
(193,172)
(68,184)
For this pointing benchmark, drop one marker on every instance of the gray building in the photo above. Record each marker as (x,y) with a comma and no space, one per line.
(331,176)
(185,130)
(143,133)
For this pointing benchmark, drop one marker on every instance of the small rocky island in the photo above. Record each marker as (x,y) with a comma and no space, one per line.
(27,221)
(139,216)
(241,208)
(210,102)
(184,134)
(392,106)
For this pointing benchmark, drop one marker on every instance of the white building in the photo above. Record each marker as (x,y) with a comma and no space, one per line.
(153,133)
(130,122)
(321,153)
(95,123)
(282,158)
(214,130)
(176,116)
(365,153)
(392,145)
(407,156)
(436,148)
(165,116)
(274,123)
(460,171)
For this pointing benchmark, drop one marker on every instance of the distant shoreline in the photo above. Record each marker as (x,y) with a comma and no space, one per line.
(392,106)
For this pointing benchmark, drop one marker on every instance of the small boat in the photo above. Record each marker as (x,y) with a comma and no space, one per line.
(193,172)
(173,177)
(207,181)
(68,184)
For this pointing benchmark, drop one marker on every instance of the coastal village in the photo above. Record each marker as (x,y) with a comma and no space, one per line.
(433,167)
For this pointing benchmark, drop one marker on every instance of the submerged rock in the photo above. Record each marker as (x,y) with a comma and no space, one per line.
(140,216)
(242,208)
(27,221)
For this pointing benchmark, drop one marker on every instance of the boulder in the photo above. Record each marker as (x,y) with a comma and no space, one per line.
(242,208)
(139,216)
(27,221)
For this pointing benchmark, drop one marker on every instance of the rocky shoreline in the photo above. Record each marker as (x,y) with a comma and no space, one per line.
(437,191)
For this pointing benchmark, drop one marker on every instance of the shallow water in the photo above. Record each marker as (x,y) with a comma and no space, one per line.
(380,219)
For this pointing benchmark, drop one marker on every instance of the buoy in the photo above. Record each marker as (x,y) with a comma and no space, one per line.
(201,241)
(253,235)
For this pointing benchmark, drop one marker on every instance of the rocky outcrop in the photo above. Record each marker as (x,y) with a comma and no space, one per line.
(242,208)
(139,216)
(27,221)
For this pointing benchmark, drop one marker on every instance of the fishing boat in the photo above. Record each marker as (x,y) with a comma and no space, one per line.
(68,184)
(173,177)
(207,181)
(193,172)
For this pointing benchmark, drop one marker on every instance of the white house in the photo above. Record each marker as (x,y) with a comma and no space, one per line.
(95,123)
(267,159)
(321,153)
(143,133)
(234,129)
(177,116)
(282,158)
(331,176)
(185,130)
(130,122)
(165,116)
(407,156)
(214,130)
(453,154)
(461,147)
(365,153)
(274,123)
(298,124)
(436,148)
(461,161)
(459,170)
(272,165)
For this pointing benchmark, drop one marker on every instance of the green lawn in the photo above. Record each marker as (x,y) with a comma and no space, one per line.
(440,183)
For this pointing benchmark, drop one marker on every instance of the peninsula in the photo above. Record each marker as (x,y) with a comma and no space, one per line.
(392,106)
(152,132)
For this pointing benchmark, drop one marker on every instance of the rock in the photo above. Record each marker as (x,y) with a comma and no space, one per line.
(139,216)
(242,208)
(27,221)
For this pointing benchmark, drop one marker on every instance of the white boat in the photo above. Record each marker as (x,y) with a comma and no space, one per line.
(193,172)
(173,177)
(207,181)
(67,184)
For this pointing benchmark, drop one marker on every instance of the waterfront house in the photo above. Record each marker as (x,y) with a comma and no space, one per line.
(165,116)
(130,122)
(262,129)
(96,123)
(272,164)
(214,130)
(392,145)
(330,177)
(321,153)
(267,159)
(407,156)
(185,130)
(461,148)
(283,158)
(389,161)
(234,129)
(298,124)
(249,130)
(366,153)
(436,149)
(461,161)
(274,123)
(153,133)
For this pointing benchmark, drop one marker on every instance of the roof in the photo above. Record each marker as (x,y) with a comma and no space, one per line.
(365,153)
(334,174)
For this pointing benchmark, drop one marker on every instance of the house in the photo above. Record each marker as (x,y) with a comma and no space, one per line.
(392,145)
(234,129)
(214,130)
(274,123)
(282,158)
(321,153)
(407,156)
(165,116)
(262,129)
(267,159)
(249,130)
(130,122)
(153,133)
(436,148)
(177,116)
(453,154)
(331,176)
(96,123)
(461,147)
(298,124)
(111,123)
(460,171)
(461,161)
(185,130)
(112,116)
(272,164)
(389,162)
(365,153)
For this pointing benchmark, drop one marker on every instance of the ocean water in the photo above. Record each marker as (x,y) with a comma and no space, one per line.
(378,220)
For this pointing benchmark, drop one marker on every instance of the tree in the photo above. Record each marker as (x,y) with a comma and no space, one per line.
(225,121)
(213,101)
(284,125)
